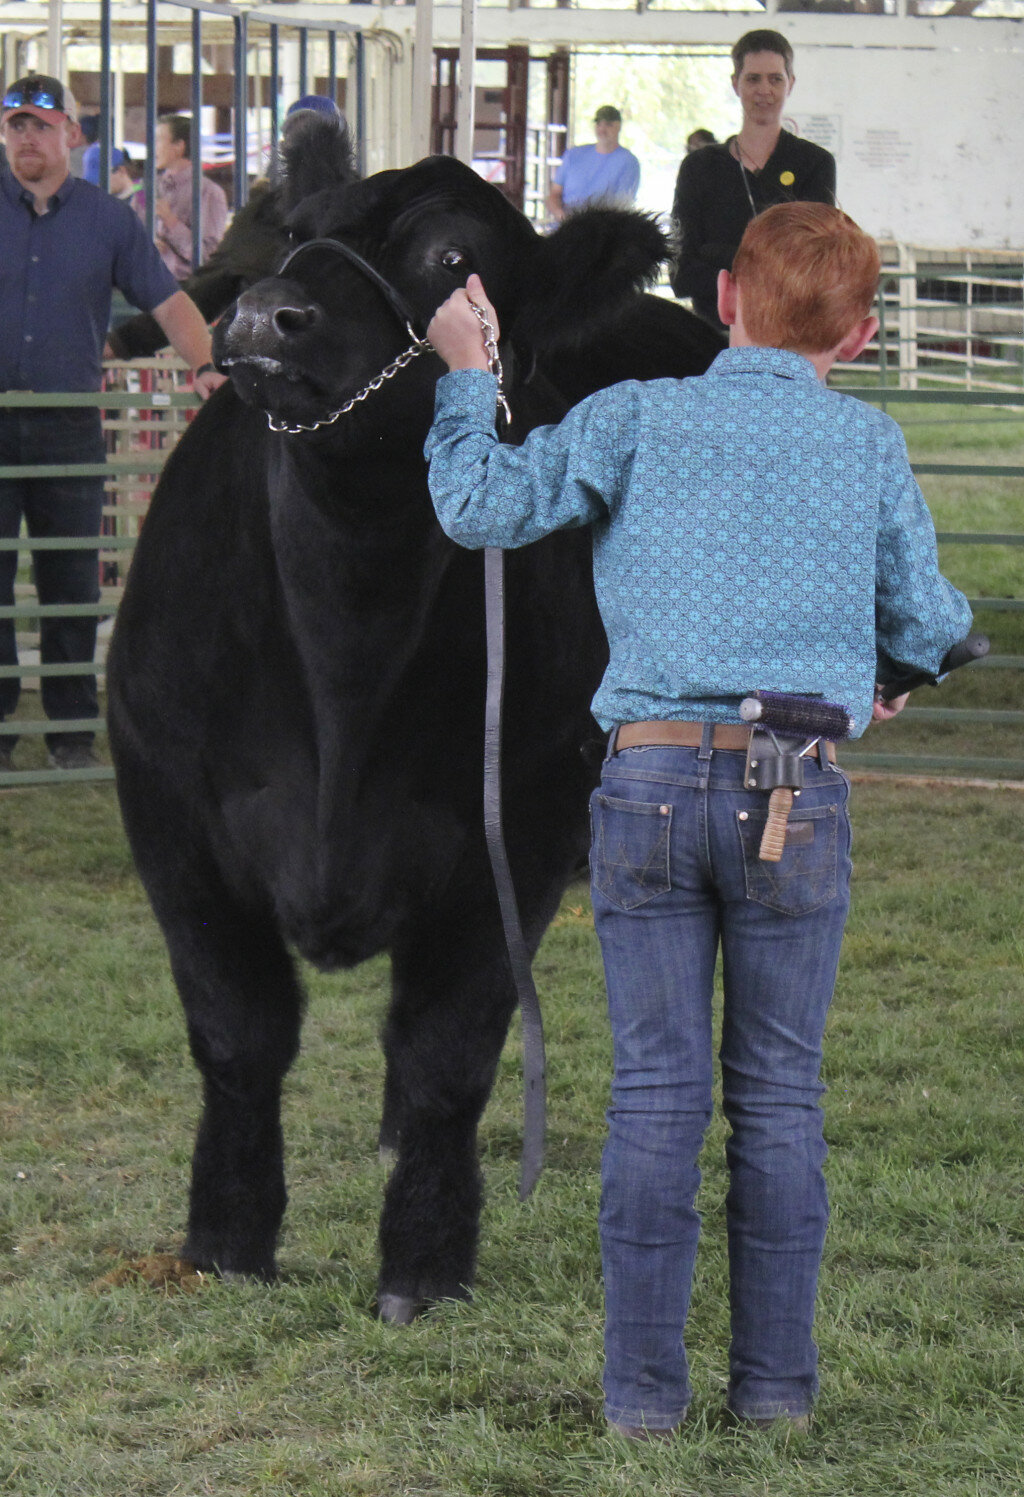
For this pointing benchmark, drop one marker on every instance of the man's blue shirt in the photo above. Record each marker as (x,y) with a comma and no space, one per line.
(586,175)
(57,272)
(752,531)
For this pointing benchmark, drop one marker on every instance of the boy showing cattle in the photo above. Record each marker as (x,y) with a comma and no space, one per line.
(752,531)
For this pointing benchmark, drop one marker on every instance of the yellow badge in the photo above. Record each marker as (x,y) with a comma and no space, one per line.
(787,179)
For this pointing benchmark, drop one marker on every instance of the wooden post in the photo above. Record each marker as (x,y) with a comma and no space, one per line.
(466,128)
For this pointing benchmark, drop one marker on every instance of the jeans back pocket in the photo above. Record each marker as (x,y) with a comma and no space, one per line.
(806,876)
(630,842)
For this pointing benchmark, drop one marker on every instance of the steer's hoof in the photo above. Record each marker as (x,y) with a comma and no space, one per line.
(399,1309)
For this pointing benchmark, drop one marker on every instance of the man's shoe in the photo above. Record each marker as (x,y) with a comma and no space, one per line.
(6,758)
(72,756)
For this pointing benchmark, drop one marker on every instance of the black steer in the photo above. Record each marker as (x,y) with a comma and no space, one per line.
(296,692)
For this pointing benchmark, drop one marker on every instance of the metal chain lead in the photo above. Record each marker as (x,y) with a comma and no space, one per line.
(493,358)
(418,346)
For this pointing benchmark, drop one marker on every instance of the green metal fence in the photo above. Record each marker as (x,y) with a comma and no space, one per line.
(145,409)
(953,317)
(990,766)
(144,424)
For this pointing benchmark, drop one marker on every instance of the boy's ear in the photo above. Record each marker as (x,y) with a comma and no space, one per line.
(584,274)
(857,340)
(727,300)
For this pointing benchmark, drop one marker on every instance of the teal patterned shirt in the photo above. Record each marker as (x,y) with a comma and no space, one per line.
(752,530)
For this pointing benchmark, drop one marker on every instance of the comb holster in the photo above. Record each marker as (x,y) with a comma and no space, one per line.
(775,762)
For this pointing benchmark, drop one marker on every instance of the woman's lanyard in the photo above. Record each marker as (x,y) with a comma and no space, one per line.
(746,183)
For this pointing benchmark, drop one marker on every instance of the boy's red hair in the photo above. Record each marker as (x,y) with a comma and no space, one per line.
(808,275)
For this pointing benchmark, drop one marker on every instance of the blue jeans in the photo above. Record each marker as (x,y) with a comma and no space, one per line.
(675,873)
(53,507)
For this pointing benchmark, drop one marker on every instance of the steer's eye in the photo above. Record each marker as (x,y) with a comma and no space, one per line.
(453,258)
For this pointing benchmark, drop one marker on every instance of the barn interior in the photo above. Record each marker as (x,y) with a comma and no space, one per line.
(916,99)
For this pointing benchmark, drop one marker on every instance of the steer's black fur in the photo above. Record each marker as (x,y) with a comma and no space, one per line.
(296,694)
(316,152)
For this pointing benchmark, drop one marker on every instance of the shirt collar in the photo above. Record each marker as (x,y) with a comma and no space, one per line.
(781,362)
(18,194)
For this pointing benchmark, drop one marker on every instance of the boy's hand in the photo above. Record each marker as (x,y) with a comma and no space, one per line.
(454,332)
(882,711)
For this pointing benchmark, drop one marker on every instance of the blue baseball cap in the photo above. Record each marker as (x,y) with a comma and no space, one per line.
(91,161)
(318,102)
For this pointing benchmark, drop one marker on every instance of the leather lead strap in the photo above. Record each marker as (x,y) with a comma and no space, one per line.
(394,298)
(534,1067)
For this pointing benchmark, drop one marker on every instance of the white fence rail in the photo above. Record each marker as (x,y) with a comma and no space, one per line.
(950,317)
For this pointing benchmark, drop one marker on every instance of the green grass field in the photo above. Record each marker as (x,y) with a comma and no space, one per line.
(237,1389)
(111,1388)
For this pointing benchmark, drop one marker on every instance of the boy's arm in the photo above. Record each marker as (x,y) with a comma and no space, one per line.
(488,493)
(919,614)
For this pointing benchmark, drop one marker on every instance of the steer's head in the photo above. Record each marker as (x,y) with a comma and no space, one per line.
(310,339)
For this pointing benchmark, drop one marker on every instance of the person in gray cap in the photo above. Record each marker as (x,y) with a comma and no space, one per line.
(604,172)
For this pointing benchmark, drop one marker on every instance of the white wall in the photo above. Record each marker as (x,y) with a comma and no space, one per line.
(925,115)
(929,145)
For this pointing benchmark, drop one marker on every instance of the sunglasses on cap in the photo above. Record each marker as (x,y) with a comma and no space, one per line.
(41,97)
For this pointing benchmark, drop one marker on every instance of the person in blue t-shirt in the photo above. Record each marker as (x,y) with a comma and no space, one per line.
(752,530)
(66,245)
(602,173)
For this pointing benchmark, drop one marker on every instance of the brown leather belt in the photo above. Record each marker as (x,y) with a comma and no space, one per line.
(729,736)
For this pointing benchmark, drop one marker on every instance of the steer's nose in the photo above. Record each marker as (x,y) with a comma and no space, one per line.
(290,318)
(275,311)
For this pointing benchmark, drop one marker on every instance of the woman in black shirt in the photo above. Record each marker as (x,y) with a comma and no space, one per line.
(722,187)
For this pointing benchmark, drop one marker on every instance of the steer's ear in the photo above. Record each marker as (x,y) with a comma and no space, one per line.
(585,272)
(317,153)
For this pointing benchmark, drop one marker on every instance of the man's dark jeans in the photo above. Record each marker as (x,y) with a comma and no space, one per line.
(53,507)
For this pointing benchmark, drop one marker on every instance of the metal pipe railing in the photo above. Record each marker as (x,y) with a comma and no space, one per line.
(149,463)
